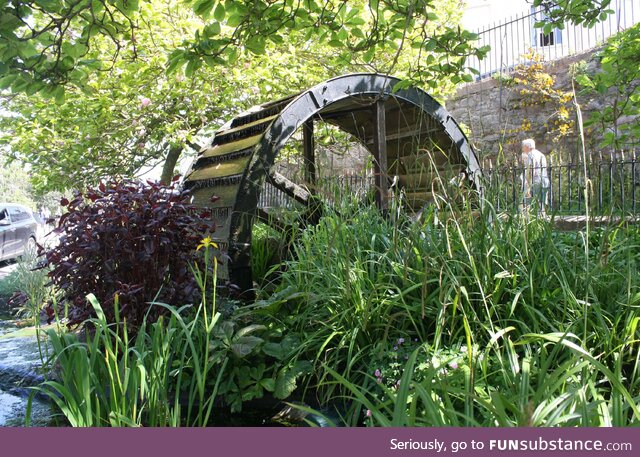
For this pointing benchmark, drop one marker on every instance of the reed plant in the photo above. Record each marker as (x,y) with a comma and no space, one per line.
(552,317)
(162,376)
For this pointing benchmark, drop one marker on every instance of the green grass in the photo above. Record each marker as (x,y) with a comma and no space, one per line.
(552,317)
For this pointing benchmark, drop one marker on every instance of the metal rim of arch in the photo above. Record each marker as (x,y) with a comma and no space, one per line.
(262,131)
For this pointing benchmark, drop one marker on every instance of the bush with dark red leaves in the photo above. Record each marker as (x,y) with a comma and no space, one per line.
(130,240)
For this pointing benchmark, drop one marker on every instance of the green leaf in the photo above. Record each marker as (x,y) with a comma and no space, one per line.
(269,384)
(203,7)
(47,5)
(286,381)
(274,350)
(219,12)
(6,81)
(8,23)
(224,331)
(368,55)
(212,29)
(243,346)
(193,65)
(256,44)
(244,331)
(235,20)
(585,81)
(33,88)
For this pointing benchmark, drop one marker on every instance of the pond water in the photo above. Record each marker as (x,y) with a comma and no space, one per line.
(19,363)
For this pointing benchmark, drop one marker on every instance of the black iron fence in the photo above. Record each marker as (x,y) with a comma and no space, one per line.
(330,189)
(613,187)
(513,37)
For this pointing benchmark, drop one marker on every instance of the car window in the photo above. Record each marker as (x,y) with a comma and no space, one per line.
(18,214)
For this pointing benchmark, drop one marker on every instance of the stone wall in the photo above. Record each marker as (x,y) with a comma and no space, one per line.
(492,114)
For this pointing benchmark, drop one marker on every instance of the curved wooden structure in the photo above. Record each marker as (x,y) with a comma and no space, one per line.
(410,135)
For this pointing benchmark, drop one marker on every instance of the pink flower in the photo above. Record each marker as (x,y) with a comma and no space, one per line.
(453,365)
(144,102)
(368,413)
(377,374)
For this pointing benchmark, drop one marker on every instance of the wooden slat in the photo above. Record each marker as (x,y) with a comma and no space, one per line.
(242,132)
(227,148)
(220,170)
(226,197)
(380,155)
(308,145)
(418,180)
(423,134)
(265,121)
(290,188)
(263,111)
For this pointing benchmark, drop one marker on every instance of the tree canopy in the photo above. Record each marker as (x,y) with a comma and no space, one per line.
(97,88)
(137,94)
(46,44)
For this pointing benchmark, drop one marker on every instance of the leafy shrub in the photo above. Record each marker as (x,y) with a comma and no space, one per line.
(255,360)
(128,240)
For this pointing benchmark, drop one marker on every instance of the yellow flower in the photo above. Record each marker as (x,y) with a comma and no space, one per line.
(207,243)
(562,112)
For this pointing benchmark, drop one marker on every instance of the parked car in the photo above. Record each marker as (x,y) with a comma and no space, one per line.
(18,228)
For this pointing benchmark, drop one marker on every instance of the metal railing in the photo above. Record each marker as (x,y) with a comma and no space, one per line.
(514,37)
(331,189)
(613,187)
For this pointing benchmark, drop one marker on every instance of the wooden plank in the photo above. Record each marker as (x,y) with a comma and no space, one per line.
(418,181)
(380,155)
(226,148)
(419,134)
(265,121)
(225,197)
(220,170)
(242,132)
(308,144)
(282,183)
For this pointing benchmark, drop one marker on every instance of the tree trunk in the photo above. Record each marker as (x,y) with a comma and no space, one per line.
(170,164)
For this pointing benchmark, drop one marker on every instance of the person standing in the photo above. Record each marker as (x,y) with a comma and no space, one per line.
(536,176)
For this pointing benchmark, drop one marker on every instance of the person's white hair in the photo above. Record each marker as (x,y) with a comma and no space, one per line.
(529,142)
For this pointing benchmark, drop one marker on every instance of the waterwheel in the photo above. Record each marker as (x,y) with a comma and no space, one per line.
(416,145)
